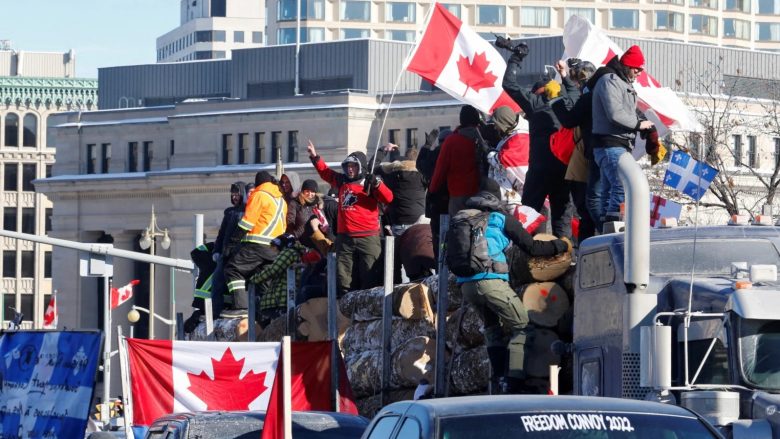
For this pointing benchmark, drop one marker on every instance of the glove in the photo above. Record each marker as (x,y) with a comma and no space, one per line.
(215,257)
(374,181)
(552,89)
(431,138)
(659,155)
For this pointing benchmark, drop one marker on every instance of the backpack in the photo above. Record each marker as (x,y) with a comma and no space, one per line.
(466,252)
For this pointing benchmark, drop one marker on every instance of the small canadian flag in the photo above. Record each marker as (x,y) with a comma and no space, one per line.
(123,294)
(50,317)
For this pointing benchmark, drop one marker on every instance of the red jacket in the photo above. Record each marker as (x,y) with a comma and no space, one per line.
(456,166)
(358,212)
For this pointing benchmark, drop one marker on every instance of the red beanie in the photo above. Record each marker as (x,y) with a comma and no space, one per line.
(633,58)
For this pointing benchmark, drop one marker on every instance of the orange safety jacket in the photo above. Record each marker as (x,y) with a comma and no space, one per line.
(265,216)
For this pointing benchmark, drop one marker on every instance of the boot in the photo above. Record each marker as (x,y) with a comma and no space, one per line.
(498,356)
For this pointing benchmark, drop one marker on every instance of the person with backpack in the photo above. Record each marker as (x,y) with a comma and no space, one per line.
(476,242)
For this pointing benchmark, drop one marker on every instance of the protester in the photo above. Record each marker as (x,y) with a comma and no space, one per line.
(287,185)
(302,207)
(202,258)
(436,203)
(408,187)
(272,279)
(615,124)
(263,220)
(358,242)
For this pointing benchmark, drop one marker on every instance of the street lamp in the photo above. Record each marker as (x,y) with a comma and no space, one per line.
(133,316)
(148,240)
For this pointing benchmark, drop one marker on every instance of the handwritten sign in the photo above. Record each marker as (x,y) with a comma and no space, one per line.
(46,383)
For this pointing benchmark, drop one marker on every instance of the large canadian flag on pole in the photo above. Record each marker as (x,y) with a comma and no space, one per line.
(457,60)
(660,104)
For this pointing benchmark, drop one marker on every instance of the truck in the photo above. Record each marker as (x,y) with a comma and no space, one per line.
(687,315)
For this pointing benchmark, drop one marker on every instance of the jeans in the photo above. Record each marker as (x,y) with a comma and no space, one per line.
(611,187)
(594,196)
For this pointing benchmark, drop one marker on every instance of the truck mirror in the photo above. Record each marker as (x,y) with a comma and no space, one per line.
(655,366)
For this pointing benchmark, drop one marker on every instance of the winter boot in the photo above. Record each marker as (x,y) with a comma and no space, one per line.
(498,356)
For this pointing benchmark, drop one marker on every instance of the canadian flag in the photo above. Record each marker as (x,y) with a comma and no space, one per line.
(457,60)
(50,317)
(660,104)
(123,294)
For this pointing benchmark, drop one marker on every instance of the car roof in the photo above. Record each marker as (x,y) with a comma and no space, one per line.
(687,233)
(312,420)
(472,405)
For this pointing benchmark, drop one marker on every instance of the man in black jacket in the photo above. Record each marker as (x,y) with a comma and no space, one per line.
(545,172)
(223,247)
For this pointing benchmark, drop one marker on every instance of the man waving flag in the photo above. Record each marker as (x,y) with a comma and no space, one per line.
(457,60)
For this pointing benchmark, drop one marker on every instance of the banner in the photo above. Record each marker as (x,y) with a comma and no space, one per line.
(46,382)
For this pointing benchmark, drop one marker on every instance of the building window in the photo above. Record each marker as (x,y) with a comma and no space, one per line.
(28,264)
(393,136)
(709,4)
(534,16)
(47,265)
(257,37)
(202,36)
(29,173)
(243,148)
(400,12)
(349,34)
(238,36)
(310,9)
(30,130)
(218,8)
(227,148)
(48,170)
(768,31)
(491,15)
(400,35)
(411,138)
(9,263)
(132,157)
(352,10)
(733,28)
(276,145)
(49,213)
(105,151)
(28,220)
(10,177)
(453,8)
(768,7)
(671,21)
(91,158)
(148,156)
(9,219)
(737,5)
(703,24)
(286,35)
(312,34)
(777,151)
(292,146)
(11,129)
(737,139)
(172,148)
(260,147)
(586,13)
(752,152)
(623,19)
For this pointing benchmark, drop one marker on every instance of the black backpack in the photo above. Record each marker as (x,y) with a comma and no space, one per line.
(467,250)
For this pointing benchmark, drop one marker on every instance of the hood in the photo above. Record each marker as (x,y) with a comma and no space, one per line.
(295,180)
(486,201)
(613,66)
(239,187)
(399,165)
(358,157)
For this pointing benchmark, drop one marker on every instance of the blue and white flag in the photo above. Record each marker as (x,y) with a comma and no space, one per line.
(688,175)
(46,382)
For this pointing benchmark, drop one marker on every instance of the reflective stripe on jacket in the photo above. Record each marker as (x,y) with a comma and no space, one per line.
(265,216)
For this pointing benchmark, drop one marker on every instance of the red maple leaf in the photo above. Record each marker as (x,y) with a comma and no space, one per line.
(474,74)
(226,391)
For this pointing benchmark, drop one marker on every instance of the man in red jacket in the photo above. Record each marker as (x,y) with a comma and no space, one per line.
(358,243)
(456,169)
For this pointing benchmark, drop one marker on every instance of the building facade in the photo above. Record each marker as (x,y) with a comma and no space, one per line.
(211,29)
(33,86)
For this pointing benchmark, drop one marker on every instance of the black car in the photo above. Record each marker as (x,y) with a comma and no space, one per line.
(249,424)
(536,416)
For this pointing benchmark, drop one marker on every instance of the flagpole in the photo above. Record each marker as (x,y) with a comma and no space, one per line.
(287,385)
(104,410)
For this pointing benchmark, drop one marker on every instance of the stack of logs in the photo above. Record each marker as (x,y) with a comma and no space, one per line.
(547,295)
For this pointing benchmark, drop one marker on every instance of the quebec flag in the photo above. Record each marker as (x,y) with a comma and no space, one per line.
(46,382)
(688,175)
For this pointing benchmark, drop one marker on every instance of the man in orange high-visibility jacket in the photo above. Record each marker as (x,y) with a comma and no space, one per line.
(265,218)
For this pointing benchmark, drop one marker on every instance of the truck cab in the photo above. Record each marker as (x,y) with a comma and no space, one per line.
(702,332)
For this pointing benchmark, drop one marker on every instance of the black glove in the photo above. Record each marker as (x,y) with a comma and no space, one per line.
(518,48)
(373,181)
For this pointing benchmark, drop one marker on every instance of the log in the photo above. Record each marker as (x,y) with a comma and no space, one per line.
(364,336)
(365,375)
(453,290)
(410,301)
(464,329)
(548,268)
(546,303)
(538,356)
(470,372)
(275,330)
(314,312)
(225,330)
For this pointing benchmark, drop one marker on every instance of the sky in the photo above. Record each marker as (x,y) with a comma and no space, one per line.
(102,33)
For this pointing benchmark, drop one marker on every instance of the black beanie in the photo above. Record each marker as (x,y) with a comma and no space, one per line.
(263,177)
(469,116)
(309,185)
(491,187)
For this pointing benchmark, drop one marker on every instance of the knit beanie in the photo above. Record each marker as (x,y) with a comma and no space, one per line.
(469,116)
(309,185)
(633,58)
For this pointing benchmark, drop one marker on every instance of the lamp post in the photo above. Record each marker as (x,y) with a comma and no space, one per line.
(148,241)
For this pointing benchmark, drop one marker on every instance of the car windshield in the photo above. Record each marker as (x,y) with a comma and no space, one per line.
(573,425)
(713,257)
(759,346)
